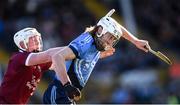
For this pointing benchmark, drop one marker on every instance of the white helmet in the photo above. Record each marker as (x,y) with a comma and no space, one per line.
(23,35)
(109,25)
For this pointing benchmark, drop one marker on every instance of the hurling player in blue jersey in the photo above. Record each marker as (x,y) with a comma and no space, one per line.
(80,56)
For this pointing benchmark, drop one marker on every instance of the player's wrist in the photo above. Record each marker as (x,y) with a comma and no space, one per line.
(67,84)
(135,41)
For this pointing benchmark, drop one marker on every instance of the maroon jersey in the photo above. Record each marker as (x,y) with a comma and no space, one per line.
(20,81)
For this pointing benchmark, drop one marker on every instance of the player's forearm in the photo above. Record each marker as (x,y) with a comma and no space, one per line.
(128,36)
(50,52)
(45,56)
(53,51)
(60,68)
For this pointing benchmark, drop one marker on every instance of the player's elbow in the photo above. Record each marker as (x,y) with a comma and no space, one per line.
(57,61)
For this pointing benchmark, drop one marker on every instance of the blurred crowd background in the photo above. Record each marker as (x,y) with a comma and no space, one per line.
(130,75)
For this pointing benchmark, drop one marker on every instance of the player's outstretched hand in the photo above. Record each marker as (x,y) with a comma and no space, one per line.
(142,44)
(72,92)
(107,53)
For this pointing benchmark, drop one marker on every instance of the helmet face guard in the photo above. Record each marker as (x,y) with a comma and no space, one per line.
(24,35)
(110,25)
(100,45)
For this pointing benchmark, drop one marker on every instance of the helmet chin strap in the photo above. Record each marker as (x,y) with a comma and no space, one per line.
(35,51)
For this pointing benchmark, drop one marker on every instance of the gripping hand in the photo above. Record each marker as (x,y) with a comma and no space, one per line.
(72,92)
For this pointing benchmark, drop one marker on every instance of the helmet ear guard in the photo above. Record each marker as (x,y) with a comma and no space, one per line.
(23,36)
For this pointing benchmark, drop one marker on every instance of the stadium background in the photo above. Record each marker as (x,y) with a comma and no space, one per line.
(130,75)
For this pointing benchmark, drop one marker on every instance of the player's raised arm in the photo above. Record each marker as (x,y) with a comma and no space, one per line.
(41,57)
(141,44)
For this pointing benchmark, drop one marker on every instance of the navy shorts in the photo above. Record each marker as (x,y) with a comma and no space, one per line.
(55,94)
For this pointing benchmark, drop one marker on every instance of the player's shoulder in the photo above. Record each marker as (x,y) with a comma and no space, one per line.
(86,35)
(84,38)
(19,54)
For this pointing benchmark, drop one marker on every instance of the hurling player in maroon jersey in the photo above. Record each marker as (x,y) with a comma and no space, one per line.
(25,68)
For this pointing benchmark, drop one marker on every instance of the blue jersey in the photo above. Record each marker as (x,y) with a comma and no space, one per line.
(86,57)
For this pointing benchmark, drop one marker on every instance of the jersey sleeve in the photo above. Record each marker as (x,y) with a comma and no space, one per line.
(80,45)
(20,58)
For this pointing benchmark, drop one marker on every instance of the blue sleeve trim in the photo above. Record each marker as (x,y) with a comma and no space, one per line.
(74,51)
